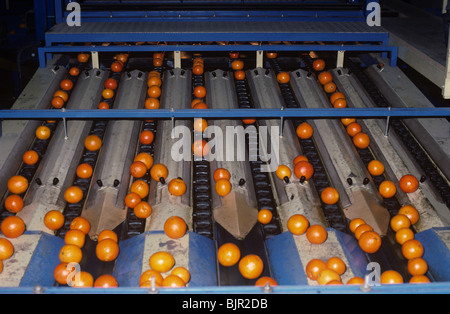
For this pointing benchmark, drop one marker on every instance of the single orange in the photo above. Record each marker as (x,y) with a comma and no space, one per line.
(387,189)
(177,187)
(408,183)
(265,280)
(12,227)
(375,167)
(336,95)
(62,272)
(391,277)
(411,212)
(70,253)
(354,223)
(264,216)
(173,281)
(419,279)
(283,172)
(145,158)
(158,172)
(316,234)
(83,57)
(75,237)
(74,71)
(17,184)
(57,102)
(80,223)
(329,87)
(221,173)
(251,266)
(92,142)
(403,235)
(147,276)
(106,281)
(239,75)
(62,94)
(107,234)
(417,266)
(283,77)
(107,250)
(146,137)
(132,200)
(140,187)
(297,224)
(43,132)
(107,93)
(318,65)
(228,254)
(361,229)
(329,195)
(399,221)
(314,267)
(138,169)
(200,91)
(337,264)
(66,84)
(304,130)
(181,272)
(161,261)
(347,121)
(200,125)
(355,281)
(412,249)
(54,219)
(361,140)
(73,194)
(84,171)
(325,77)
(14,203)
(299,158)
(175,227)
(142,210)
(327,275)
(369,241)
(200,148)
(303,169)
(154,91)
(151,103)
(84,280)
(154,81)
(223,187)
(237,65)
(339,103)
(6,249)
(354,128)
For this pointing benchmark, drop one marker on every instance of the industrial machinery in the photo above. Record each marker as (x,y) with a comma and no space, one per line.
(224,87)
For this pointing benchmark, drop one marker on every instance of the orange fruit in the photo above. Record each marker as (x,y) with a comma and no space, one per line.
(387,189)
(116,66)
(411,212)
(271,55)
(391,277)
(303,169)
(80,223)
(145,158)
(353,129)
(336,95)
(354,223)
(361,140)
(329,87)
(318,65)
(74,71)
(140,187)
(154,81)
(200,91)
(107,234)
(154,91)
(347,121)
(83,57)
(177,187)
(61,273)
(173,281)
(325,77)
(54,219)
(198,70)
(110,83)
(200,125)
(70,253)
(327,275)
(73,194)
(57,102)
(361,229)
(200,105)
(30,157)
(251,266)
(14,203)
(237,65)
(355,281)
(200,148)
(66,84)
(334,282)
(417,266)
(138,169)
(17,184)
(264,216)
(221,173)
(6,249)
(283,77)
(314,267)
(92,142)
(419,279)
(107,250)
(339,103)
(12,227)
(283,172)
(228,254)
(329,195)
(297,224)
(265,280)
(369,241)
(223,187)
(195,101)
(299,158)
(239,75)
(399,221)
(106,281)
(403,235)
(146,137)
(107,93)
(151,103)
(159,171)
(84,280)
(147,276)
(62,94)
(412,249)
(75,237)
(181,272)
(316,234)
(132,200)
(408,183)
(161,261)
(43,132)
(304,130)
(375,167)
(336,264)
(175,227)
(84,171)
(142,210)
(248,121)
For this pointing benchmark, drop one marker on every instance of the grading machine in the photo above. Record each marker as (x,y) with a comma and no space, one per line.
(259,65)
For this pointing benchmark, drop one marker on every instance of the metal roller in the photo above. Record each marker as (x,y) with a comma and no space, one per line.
(176,93)
(104,206)
(293,197)
(236,212)
(359,199)
(57,170)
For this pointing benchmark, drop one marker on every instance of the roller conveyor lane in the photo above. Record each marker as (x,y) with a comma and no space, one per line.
(236,213)
(60,162)
(104,206)
(292,197)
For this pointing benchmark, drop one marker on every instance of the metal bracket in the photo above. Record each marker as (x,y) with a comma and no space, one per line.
(95,62)
(259,58)
(177,59)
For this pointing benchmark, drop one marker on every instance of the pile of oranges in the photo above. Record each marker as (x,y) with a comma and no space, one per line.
(329,272)
(298,225)
(369,241)
(163,273)
(221,178)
